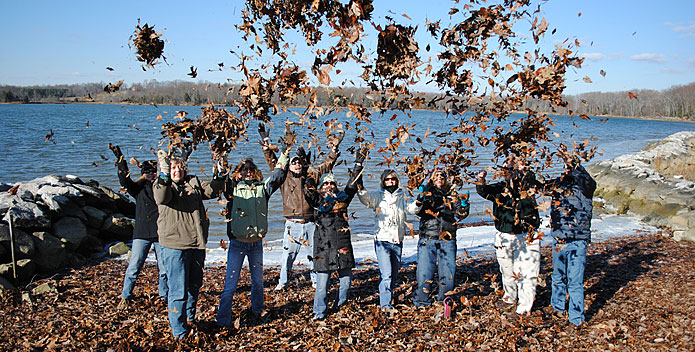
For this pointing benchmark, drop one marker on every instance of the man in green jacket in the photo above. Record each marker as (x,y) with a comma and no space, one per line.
(516,219)
(182,227)
(247,223)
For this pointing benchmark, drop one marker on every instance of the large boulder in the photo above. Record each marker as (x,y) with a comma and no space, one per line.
(95,217)
(25,214)
(118,226)
(63,206)
(123,204)
(91,245)
(23,243)
(5,284)
(30,189)
(51,252)
(26,268)
(72,230)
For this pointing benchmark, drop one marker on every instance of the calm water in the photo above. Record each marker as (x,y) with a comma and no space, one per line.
(82,134)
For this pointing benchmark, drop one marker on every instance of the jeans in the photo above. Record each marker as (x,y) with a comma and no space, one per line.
(296,235)
(138,253)
(434,253)
(568,278)
(389,256)
(320,296)
(235,259)
(184,268)
(519,263)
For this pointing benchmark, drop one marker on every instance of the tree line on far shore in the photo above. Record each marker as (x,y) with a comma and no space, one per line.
(677,101)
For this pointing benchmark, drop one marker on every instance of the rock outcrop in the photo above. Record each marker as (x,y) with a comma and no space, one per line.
(59,221)
(655,184)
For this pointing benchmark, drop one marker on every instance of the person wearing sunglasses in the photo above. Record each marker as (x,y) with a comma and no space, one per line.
(389,206)
(145,231)
(332,236)
(299,222)
(440,208)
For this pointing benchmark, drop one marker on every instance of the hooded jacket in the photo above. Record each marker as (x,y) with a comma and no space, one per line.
(332,237)
(390,216)
(183,223)
(146,212)
(294,205)
(247,204)
(513,210)
(439,211)
(571,210)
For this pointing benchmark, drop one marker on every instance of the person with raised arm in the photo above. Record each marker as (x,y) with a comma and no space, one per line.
(516,218)
(299,216)
(440,208)
(183,232)
(247,197)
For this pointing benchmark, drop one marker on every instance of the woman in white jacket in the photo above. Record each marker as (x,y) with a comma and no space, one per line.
(389,205)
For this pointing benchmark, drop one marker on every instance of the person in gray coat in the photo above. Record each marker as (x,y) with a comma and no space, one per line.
(570,219)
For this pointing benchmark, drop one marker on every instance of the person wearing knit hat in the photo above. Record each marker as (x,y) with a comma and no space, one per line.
(332,237)
(145,231)
(299,216)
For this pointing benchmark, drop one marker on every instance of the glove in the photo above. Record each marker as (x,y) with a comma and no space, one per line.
(219,168)
(120,161)
(265,134)
(337,138)
(361,155)
(163,163)
(464,199)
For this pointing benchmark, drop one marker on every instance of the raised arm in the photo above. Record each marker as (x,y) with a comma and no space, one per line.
(162,187)
(279,174)
(133,188)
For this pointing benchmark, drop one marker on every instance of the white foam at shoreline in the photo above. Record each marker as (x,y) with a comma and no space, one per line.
(477,240)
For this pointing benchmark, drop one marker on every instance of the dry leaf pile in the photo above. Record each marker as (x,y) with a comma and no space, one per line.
(637,298)
(148,44)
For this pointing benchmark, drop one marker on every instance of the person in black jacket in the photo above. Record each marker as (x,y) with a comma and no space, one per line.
(145,232)
(570,220)
(517,245)
(332,237)
(440,208)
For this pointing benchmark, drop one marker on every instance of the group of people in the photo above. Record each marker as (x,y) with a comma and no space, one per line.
(170,216)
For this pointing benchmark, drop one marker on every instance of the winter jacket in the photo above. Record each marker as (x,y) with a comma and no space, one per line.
(332,237)
(294,206)
(390,208)
(146,212)
(513,210)
(183,222)
(439,211)
(571,209)
(247,204)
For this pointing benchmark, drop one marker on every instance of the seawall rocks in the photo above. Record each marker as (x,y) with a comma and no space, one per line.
(59,221)
(655,184)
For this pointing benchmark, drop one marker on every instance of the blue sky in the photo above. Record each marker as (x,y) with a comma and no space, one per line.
(639,44)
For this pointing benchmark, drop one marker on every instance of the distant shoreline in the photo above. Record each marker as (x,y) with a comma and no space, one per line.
(650,118)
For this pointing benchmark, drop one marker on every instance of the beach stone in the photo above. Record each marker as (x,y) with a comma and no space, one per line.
(124,205)
(26,268)
(118,249)
(95,217)
(26,214)
(63,206)
(46,287)
(72,230)
(23,243)
(51,252)
(4,187)
(118,226)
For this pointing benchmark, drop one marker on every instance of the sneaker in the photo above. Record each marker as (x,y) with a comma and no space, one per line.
(279,287)
(319,317)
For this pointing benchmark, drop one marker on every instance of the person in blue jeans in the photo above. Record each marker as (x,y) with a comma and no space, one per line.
(332,237)
(440,209)
(145,231)
(389,206)
(182,227)
(570,220)
(247,197)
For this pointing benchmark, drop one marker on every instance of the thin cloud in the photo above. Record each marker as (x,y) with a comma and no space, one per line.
(685,30)
(673,70)
(649,57)
(691,62)
(594,56)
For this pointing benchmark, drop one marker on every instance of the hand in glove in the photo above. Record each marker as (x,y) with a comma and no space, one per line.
(120,160)
(265,134)
(337,138)
(361,155)
(464,199)
(163,163)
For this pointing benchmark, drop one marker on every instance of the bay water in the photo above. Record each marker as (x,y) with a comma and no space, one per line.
(80,134)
